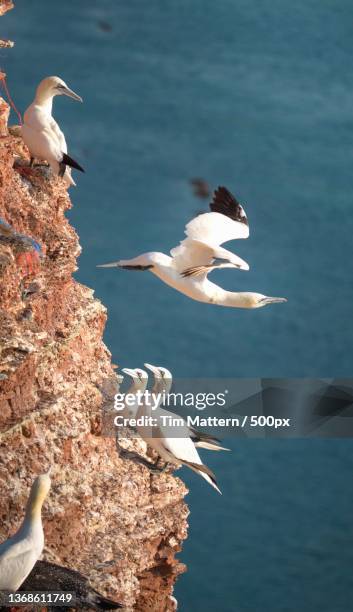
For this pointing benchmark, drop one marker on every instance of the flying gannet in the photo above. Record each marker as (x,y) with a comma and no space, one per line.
(41,133)
(176,451)
(52,578)
(200,253)
(19,553)
(163,381)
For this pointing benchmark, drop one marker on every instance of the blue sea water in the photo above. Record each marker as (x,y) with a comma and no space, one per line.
(256,96)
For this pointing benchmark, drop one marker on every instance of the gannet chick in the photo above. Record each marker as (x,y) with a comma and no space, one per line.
(20,552)
(177,451)
(163,381)
(41,132)
(50,577)
(200,253)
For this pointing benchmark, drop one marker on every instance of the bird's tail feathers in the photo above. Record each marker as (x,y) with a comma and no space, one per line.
(69,161)
(204,471)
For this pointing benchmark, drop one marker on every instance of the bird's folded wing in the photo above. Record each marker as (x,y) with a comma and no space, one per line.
(182,448)
(60,136)
(45,143)
(15,550)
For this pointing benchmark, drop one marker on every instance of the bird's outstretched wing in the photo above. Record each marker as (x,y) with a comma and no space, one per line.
(197,253)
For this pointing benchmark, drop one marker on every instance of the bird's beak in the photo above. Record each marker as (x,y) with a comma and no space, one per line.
(114,264)
(272,300)
(129,372)
(153,369)
(68,92)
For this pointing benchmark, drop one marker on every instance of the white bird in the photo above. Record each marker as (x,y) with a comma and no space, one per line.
(163,381)
(177,451)
(200,253)
(138,386)
(41,132)
(19,553)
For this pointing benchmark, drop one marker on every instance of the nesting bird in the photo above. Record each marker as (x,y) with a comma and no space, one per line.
(41,133)
(54,578)
(200,253)
(163,381)
(19,553)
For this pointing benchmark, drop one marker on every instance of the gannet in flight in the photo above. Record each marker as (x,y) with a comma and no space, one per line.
(163,381)
(177,451)
(42,134)
(200,253)
(50,577)
(19,553)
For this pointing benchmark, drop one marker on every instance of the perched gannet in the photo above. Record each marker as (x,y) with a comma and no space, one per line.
(163,381)
(50,577)
(19,553)
(137,388)
(42,134)
(177,451)
(200,253)
(139,384)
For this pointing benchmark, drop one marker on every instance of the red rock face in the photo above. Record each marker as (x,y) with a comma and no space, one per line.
(105,516)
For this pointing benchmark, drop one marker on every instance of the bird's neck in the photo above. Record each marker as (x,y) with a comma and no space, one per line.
(34,507)
(45,100)
(235,299)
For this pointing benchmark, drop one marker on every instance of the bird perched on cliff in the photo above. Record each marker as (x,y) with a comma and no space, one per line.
(176,451)
(200,253)
(41,133)
(28,253)
(52,578)
(19,553)
(163,381)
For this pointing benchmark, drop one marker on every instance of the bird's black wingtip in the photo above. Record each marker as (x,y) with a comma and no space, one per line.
(225,202)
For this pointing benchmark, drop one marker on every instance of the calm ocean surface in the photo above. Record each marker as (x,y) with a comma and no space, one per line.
(256,96)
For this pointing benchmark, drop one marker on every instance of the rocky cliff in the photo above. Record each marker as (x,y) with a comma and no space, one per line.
(105,516)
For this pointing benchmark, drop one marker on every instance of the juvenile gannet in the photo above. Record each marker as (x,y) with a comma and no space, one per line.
(20,552)
(200,253)
(163,381)
(50,577)
(176,451)
(41,132)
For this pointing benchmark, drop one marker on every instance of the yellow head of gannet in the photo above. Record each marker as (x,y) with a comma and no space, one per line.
(19,553)
(54,86)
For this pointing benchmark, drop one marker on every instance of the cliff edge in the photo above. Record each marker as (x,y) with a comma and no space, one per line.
(108,517)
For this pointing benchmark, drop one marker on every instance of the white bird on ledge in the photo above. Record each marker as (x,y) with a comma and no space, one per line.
(41,132)
(200,253)
(19,553)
